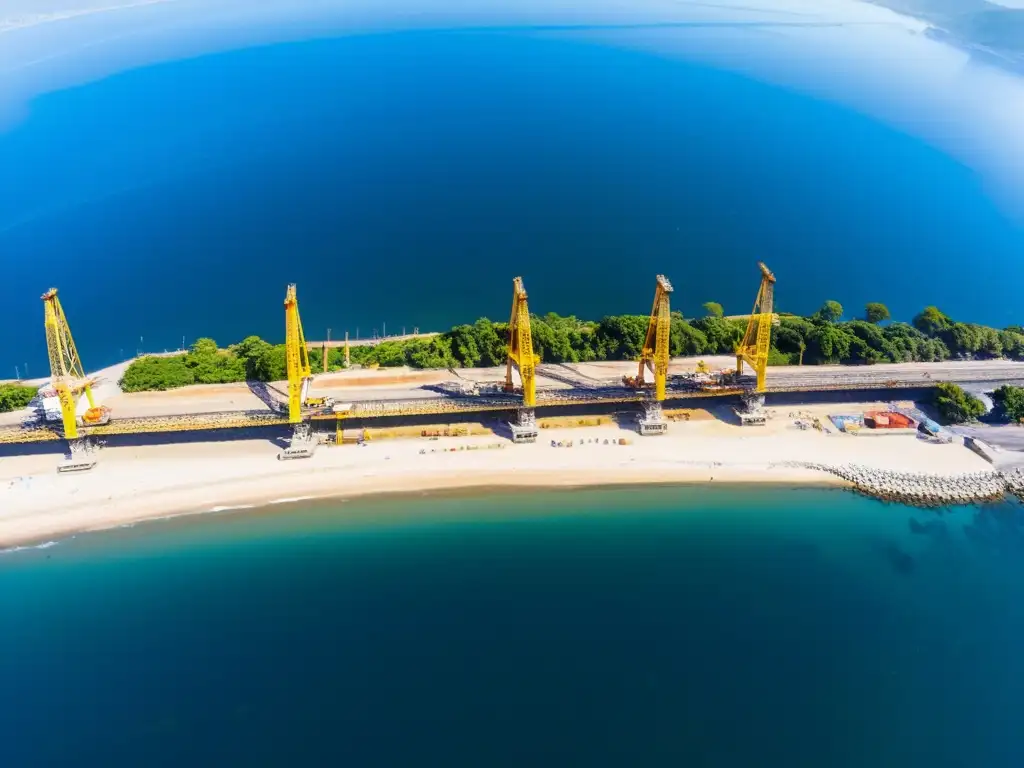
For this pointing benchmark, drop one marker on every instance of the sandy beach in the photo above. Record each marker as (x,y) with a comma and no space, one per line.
(133,484)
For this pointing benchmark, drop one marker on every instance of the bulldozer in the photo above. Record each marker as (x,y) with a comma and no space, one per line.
(94,417)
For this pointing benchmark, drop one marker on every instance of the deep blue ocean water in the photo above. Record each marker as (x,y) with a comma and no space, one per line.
(404,179)
(659,626)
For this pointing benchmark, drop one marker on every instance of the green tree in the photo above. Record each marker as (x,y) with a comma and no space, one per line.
(931,321)
(830,312)
(955,405)
(1012,343)
(713,309)
(464,346)
(722,335)
(684,339)
(829,343)
(621,337)
(272,364)
(491,341)
(157,373)
(1010,402)
(875,312)
(249,350)
(14,397)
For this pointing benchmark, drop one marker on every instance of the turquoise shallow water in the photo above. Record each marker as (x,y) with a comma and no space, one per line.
(657,626)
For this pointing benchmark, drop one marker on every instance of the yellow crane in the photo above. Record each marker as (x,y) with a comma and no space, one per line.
(523,360)
(655,354)
(757,340)
(296,356)
(69,379)
(303,442)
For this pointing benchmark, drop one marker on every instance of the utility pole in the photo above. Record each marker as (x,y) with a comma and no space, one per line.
(348,360)
(326,350)
(17,373)
(385,327)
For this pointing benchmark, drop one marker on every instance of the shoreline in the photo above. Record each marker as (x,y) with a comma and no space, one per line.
(135,484)
(448,485)
(454,490)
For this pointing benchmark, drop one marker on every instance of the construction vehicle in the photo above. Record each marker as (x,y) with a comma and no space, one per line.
(69,383)
(94,417)
(319,402)
(703,367)
(523,362)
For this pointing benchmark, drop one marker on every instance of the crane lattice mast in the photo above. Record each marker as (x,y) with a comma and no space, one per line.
(65,365)
(757,340)
(296,355)
(520,347)
(523,360)
(655,353)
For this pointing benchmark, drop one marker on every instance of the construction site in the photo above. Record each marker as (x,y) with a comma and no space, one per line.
(81,411)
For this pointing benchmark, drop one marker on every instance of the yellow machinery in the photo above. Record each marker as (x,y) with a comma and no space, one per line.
(522,358)
(69,381)
(297,357)
(757,340)
(69,378)
(703,367)
(655,353)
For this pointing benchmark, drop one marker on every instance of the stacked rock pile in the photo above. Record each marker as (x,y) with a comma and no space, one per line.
(920,488)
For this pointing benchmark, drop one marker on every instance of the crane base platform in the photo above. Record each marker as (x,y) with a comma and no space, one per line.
(303,444)
(81,457)
(76,465)
(524,429)
(652,420)
(751,413)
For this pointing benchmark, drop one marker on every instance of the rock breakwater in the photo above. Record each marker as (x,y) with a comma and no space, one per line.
(923,488)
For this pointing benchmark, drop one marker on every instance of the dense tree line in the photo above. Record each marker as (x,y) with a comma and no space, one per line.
(823,337)
(14,397)
(1009,402)
(955,405)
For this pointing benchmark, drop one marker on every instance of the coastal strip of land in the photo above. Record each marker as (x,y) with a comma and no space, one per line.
(133,484)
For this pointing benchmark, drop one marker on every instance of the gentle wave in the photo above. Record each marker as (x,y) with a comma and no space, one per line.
(291,499)
(44,545)
(231,507)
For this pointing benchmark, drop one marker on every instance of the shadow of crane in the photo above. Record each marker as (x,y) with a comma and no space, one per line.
(270,396)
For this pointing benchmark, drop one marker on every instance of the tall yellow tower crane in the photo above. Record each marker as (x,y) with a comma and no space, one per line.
(654,357)
(69,381)
(296,356)
(757,340)
(655,353)
(300,374)
(524,361)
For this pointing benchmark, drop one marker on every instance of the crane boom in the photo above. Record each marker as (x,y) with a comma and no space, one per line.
(757,340)
(296,355)
(65,365)
(655,353)
(520,346)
